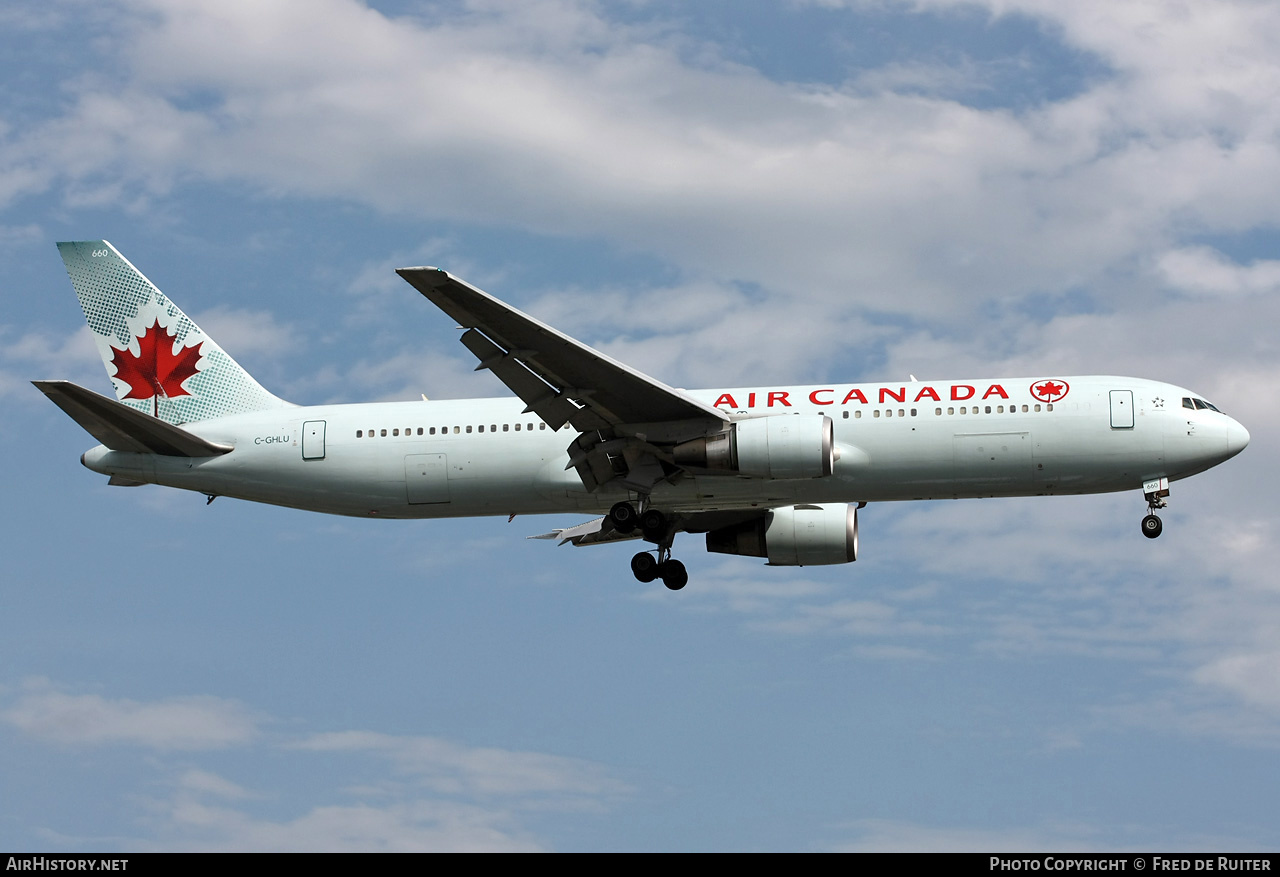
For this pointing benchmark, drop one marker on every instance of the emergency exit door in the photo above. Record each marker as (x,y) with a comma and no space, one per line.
(313,440)
(1122,409)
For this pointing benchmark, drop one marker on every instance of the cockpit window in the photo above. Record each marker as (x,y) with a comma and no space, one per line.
(1200,404)
(1187,403)
(1211,406)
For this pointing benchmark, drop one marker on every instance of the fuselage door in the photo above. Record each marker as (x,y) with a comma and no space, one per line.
(1122,409)
(313,440)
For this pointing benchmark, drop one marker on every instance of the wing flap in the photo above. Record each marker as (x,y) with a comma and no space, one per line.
(599,531)
(541,398)
(594,532)
(122,428)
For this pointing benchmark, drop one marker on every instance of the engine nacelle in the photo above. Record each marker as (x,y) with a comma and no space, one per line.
(780,446)
(804,535)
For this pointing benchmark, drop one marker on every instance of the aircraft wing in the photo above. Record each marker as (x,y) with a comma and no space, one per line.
(622,415)
(560,379)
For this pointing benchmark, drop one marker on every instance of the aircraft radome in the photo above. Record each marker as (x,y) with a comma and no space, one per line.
(773,472)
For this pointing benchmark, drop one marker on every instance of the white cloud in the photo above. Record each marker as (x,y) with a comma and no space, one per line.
(890,836)
(1255,676)
(177,723)
(247,333)
(436,796)
(452,769)
(414,826)
(896,836)
(596,128)
(1205,271)
(37,355)
(205,783)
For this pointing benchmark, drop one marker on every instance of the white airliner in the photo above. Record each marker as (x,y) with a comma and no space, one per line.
(773,472)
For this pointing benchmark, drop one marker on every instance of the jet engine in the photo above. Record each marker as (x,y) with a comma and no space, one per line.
(802,535)
(780,446)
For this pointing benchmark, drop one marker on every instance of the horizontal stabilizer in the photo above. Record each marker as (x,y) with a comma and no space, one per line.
(122,428)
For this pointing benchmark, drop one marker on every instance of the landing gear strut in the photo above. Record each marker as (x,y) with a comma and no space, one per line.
(654,527)
(1155,491)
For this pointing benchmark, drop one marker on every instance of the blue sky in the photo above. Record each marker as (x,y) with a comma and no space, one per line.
(719,194)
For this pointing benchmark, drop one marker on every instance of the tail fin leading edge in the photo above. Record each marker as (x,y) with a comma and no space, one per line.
(159,361)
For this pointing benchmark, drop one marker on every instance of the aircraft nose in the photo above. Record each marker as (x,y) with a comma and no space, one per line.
(1237,437)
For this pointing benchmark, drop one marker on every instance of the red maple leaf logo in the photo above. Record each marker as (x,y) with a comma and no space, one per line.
(1049,391)
(156,370)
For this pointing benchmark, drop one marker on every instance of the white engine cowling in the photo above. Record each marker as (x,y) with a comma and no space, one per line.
(780,446)
(804,535)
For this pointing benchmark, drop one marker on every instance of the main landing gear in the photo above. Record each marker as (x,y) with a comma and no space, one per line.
(654,527)
(1155,491)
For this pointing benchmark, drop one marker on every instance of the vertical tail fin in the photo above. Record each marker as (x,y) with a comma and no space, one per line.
(158,360)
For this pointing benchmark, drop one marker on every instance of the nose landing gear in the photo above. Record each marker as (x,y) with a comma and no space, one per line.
(1151,526)
(1155,491)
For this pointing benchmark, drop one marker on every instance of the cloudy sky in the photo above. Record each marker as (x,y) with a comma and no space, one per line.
(718,193)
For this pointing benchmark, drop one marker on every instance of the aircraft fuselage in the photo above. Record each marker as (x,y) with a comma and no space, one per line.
(904,441)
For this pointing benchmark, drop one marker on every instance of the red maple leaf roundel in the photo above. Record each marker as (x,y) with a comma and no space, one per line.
(156,370)
(1050,390)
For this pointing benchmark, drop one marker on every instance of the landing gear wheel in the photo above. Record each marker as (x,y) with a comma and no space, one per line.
(674,575)
(653,524)
(623,517)
(645,567)
(1151,526)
